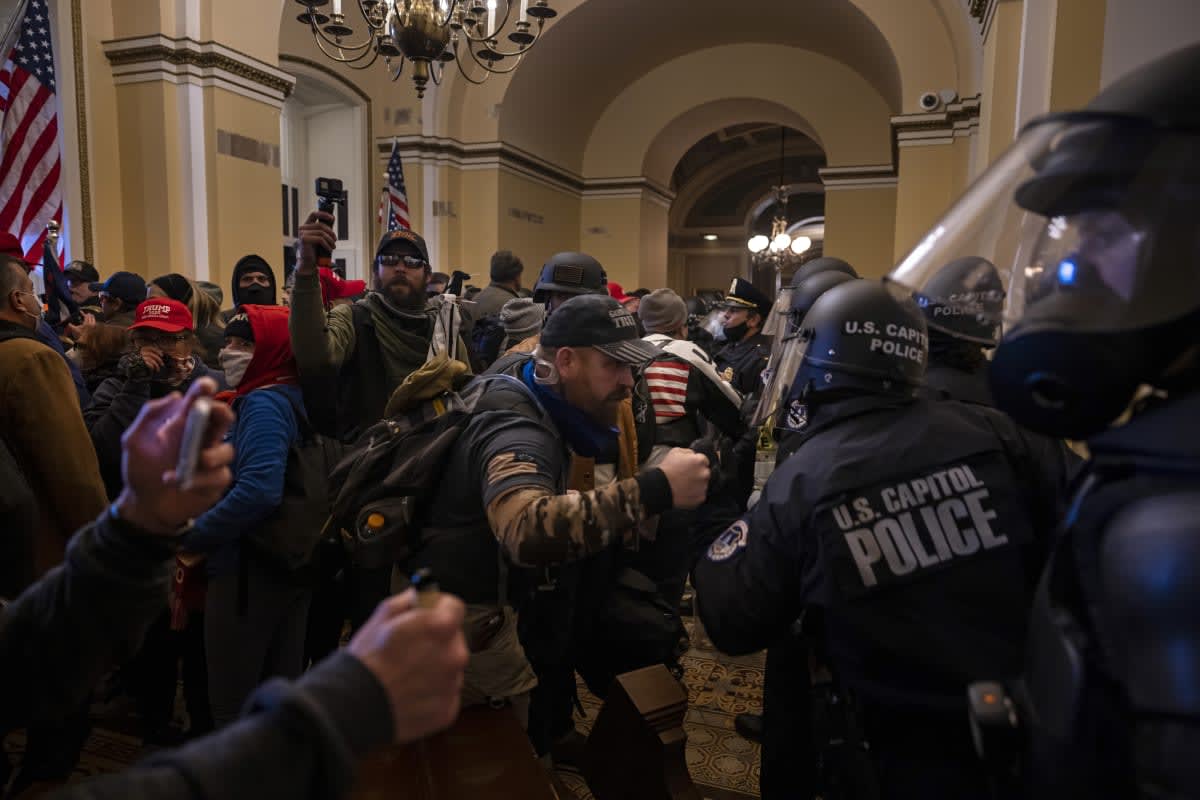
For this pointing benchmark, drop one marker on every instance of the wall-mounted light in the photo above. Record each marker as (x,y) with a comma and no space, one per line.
(710,237)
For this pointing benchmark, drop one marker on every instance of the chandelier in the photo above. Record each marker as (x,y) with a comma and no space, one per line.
(779,251)
(429,33)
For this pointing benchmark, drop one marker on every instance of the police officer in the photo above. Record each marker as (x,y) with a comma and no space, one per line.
(908,529)
(962,304)
(1104,297)
(744,356)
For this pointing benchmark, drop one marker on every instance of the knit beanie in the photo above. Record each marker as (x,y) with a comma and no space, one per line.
(663,311)
(175,286)
(522,318)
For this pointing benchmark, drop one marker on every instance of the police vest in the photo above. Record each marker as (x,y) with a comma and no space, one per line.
(929,569)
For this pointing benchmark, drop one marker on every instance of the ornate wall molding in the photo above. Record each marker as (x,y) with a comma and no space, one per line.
(442,151)
(983,11)
(184,60)
(867,176)
(957,119)
(85,179)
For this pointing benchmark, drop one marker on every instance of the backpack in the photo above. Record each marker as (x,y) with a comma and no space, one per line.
(487,337)
(381,486)
(288,538)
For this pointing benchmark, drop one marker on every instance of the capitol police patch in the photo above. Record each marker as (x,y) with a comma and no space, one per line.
(729,542)
(797,416)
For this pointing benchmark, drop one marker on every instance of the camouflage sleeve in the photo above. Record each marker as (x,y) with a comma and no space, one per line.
(538,528)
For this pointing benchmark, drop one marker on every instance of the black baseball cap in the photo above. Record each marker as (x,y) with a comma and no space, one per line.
(125,286)
(410,239)
(592,320)
(81,271)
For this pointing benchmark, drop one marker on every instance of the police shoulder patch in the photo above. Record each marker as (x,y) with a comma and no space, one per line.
(728,543)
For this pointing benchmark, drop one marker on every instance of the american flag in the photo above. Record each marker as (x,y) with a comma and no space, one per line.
(30,166)
(393,207)
(668,381)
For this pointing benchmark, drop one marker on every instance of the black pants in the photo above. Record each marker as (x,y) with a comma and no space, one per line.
(788,764)
(52,749)
(330,603)
(153,675)
(545,625)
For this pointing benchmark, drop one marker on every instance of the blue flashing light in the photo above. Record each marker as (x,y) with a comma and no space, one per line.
(1066,272)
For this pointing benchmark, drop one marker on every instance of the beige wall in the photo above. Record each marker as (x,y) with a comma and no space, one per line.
(534,242)
(860,227)
(708,271)
(930,179)
(618,247)
(1001,63)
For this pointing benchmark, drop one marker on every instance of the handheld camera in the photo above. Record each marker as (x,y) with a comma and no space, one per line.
(330,195)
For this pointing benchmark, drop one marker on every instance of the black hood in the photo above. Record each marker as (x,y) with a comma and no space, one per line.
(252,263)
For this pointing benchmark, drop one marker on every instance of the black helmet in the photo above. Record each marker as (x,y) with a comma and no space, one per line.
(863,335)
(788,348)
(569,273)
(807,292)
(819,265)
(1089,218)
(965,300)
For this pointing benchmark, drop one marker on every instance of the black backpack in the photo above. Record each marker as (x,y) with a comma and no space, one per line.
(486,339)
(381,485)
(288,538)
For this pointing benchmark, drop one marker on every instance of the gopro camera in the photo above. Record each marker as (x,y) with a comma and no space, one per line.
(330,195)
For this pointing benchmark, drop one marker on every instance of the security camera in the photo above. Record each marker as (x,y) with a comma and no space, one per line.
(930,101)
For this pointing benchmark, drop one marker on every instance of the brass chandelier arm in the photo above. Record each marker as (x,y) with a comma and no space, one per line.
(491,67)
(508,7)
(319,36)
(352,63)
(394,76)
(463,71)
(362,9)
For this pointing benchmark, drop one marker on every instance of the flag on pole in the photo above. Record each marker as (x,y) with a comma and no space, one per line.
(393,206)
(30,163)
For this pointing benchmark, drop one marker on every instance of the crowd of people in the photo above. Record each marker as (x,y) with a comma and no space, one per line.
(831,470)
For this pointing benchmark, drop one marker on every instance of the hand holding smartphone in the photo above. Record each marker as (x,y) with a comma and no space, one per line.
(194,434)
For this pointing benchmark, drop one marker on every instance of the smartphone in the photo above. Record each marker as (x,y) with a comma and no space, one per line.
(194,432)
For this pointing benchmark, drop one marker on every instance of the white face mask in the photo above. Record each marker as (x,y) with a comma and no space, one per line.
(234,364)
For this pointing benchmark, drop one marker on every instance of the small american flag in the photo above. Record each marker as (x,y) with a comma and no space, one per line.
(667,382)
(30,164)
(393,207)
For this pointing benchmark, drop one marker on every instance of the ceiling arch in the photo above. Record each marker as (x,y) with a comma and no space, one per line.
(842,110)
(680,134)
(607,45)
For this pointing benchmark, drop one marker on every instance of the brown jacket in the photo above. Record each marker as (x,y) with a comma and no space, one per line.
(41,422)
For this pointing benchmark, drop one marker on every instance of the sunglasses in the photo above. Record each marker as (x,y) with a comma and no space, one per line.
(392,261)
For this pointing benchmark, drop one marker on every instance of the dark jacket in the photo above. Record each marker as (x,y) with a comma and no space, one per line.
(491,300)
(57,640)
(49,338)
(115,405)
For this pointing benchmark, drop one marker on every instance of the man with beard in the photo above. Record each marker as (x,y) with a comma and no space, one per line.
(508,487)
(372,345)
(352,357)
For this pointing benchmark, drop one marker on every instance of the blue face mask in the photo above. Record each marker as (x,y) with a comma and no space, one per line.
(585,436)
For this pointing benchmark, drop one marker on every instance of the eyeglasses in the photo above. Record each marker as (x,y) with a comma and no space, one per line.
(391,260)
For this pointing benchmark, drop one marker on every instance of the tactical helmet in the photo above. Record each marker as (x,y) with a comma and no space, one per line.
(569,273)
(1089,219)
(819,265)
(965,300)
(863,335)
(787,349)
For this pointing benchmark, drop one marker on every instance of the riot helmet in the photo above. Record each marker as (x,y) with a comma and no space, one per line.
(787,349)
(1089,218)
(964,300)
(866,336)
(819,265)
(569,273)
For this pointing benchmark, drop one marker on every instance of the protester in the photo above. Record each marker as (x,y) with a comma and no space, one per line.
(336,290)
(119,297)
(253,282)
(505,273)
(80,277)
(254,614)
(521,318)
(161,360)
(98,352)
(206,312)
(438,281)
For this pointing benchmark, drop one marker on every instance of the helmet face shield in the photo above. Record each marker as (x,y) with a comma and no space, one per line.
(777,318)
(1084,220)
(778,379)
